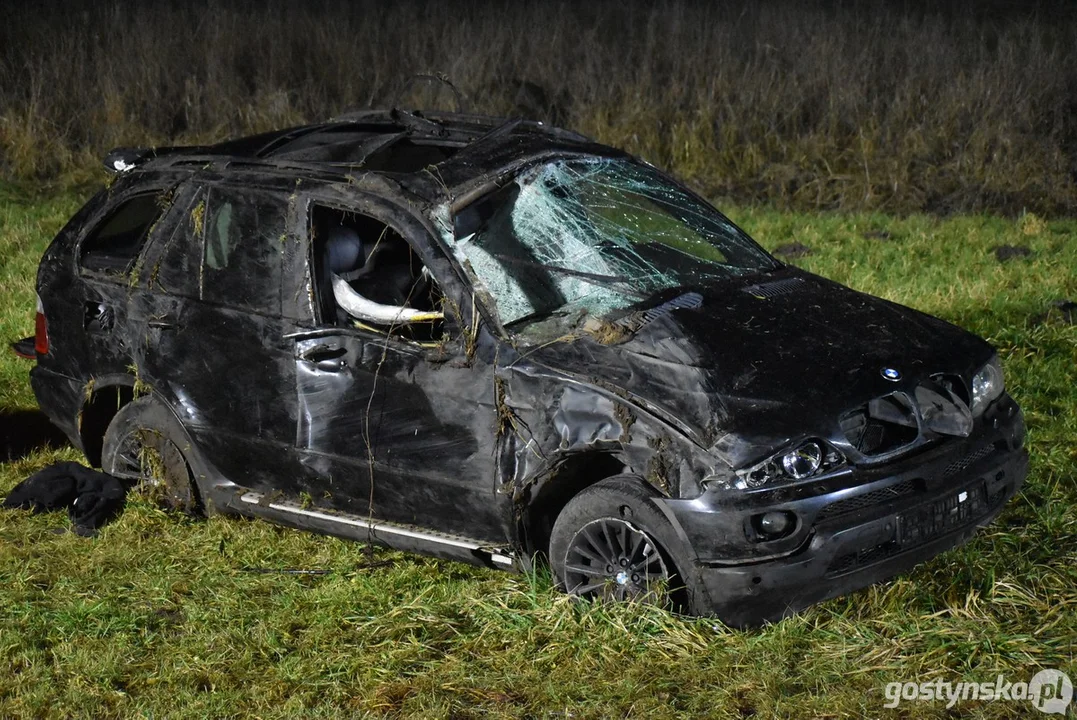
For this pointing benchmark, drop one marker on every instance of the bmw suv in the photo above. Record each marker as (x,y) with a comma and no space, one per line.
(503,343)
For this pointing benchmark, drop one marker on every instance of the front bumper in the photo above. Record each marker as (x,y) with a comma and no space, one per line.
(853,529)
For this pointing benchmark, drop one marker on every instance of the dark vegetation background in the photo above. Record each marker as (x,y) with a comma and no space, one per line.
(901,106)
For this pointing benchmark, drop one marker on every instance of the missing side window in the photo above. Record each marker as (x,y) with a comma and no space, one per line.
(111,248)
(367,275)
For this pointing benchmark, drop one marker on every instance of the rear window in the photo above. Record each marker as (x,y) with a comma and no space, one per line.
(111,248)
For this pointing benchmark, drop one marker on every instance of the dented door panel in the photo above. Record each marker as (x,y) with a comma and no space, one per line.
(375,412)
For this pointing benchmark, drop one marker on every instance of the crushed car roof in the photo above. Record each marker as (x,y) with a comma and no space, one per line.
(432,154)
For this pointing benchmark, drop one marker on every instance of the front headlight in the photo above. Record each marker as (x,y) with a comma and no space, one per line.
(803,461)
(810,458)
(987,385)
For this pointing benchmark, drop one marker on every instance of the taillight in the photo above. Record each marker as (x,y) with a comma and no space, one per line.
(41,330)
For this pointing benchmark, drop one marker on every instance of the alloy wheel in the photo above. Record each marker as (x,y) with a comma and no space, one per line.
(611,559)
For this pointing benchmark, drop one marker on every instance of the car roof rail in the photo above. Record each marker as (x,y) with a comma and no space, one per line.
(124,159)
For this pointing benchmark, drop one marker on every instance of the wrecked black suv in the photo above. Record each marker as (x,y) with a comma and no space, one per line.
(497,342)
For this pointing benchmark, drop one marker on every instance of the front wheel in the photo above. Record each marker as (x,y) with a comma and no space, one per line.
(611,543)
(612,559)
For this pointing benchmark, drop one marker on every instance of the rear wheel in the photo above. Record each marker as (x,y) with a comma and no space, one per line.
(611,543)
(144,447)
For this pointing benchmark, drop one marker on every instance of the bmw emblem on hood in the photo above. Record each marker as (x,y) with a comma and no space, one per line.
(892,374)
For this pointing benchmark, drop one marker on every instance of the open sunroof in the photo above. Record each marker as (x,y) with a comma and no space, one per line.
(374,147)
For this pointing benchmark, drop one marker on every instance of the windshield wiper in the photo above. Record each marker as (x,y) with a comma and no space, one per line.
(536,317)
(593,278)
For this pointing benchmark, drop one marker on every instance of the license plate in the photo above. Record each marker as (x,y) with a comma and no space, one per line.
(940,517)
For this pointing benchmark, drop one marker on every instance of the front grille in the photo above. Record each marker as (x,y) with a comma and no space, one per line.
(959,466)
(885,424)
(891,422)
(867,500)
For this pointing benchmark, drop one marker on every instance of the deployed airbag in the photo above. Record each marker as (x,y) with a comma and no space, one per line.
(361,308)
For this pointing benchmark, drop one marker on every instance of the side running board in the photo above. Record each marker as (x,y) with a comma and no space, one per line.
(363,529)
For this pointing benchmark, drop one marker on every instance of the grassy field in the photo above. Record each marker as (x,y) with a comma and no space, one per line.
(161,616)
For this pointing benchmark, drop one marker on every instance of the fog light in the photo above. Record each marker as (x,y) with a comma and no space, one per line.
(804,461)
(775,524)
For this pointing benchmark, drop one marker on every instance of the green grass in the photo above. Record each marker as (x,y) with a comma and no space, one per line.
(157,616)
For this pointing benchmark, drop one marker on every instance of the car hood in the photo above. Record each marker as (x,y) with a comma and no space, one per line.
(780,358)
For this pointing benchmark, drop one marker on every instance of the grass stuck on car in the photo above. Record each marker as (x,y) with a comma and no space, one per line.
(500,342)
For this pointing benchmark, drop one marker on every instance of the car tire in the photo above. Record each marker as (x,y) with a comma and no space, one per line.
(611,542)
(144,445)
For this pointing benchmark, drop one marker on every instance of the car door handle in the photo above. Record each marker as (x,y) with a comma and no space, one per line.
(325,358)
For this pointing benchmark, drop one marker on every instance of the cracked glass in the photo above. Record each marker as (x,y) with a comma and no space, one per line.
(578,237)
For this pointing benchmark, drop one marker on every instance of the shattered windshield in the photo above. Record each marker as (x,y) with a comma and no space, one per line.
(579,237)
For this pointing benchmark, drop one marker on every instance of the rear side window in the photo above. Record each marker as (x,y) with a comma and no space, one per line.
(112,247)
(244,234)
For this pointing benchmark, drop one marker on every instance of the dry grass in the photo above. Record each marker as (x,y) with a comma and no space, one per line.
(853,106)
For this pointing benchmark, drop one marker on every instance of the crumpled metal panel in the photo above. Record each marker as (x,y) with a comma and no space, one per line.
(661,339)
